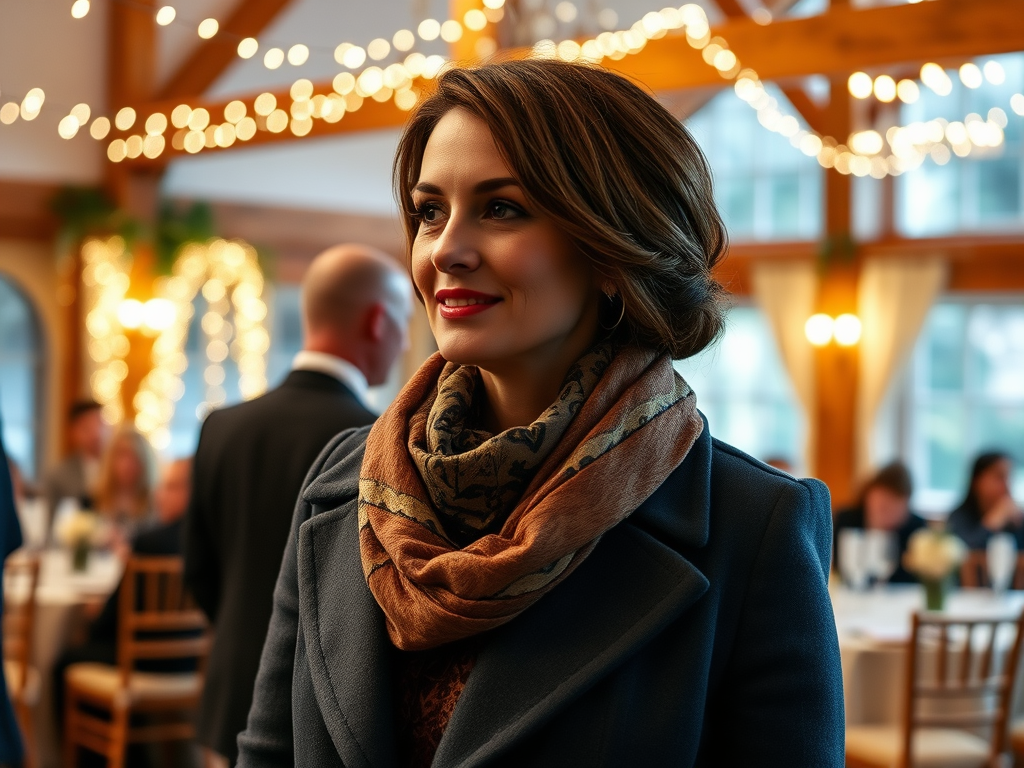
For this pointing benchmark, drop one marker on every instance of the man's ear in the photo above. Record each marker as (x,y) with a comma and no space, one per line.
(376,323)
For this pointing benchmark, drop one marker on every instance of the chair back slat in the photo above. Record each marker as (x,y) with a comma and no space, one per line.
(21,578)
(154,602)
(966,671)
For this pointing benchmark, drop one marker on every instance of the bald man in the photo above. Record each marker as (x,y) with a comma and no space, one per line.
(253,457)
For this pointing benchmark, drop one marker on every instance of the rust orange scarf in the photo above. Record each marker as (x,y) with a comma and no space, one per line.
(460,531)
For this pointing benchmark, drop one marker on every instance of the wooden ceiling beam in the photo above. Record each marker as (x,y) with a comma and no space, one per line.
(206,63)
(841,41)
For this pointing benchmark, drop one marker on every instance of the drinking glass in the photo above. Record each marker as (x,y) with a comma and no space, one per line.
(1001,561)
(882,554)
(852,560)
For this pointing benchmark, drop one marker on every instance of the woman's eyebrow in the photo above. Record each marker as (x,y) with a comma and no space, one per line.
(487,185)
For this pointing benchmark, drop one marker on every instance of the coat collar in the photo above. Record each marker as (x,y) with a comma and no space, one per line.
(631,586)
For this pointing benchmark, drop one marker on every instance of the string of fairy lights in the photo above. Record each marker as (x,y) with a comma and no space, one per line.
(866,152)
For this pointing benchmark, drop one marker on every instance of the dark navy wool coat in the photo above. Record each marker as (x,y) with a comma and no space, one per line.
(699,632)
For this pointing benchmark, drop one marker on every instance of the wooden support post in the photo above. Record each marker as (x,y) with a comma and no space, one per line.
(836,368)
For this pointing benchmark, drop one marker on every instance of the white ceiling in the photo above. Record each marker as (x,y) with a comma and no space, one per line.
(42,46)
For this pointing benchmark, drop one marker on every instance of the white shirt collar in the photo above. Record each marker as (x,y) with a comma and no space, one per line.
(340,369)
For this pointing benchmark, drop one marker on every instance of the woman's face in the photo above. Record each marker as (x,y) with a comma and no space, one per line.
(125,465)
(993,484)
(502,285)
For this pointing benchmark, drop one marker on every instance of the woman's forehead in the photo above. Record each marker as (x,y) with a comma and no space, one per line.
(460,148)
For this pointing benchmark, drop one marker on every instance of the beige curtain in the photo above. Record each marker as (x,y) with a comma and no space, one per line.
(786,293)
(893,299)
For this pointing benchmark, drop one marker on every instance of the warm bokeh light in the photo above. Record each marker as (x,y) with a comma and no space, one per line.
(474,19)
(165,15)
(82,113)
(273,58)
(818,329)
(970,75)
(9,112)
(298,55)
(378,49)
(847,330)
(130,314)
(80,9)
(908,91)
(451,31)
(429,29)
(403,40)
(156,124)
(248,47)
(994,72)
(199,119)
(208,28)
(234,111)
(866,142)
(124,119)
(885,88)
(265,104)
(100,128)
(68,127)
(860,85)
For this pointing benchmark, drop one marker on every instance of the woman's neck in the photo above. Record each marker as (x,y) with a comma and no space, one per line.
(519,391)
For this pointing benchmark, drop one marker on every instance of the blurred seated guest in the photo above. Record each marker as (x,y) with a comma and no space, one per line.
(171,501)
(884,505)
(75,477)
(123,492)
(988,507)
(11,750)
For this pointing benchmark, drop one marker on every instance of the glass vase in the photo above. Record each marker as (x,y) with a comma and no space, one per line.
(935,591)
(80,556)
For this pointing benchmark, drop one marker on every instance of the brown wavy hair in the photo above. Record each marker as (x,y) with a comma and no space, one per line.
(614,169)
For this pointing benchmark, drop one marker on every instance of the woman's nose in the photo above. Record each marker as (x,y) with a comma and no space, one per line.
(455,250)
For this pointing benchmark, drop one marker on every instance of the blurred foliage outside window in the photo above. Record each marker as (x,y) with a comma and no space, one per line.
(962,393)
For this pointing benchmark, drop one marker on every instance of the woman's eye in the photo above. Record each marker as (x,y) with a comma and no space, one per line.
(500,210)
(428,213)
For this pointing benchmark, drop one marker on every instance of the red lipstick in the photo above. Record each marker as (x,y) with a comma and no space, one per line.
(455,303)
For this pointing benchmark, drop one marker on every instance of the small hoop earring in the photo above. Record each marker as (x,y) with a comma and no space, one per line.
(622,313)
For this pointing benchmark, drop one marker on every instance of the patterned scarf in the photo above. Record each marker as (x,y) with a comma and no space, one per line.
(461,531)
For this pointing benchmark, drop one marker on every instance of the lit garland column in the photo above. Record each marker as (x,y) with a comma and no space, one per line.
(105,278)
(229,277)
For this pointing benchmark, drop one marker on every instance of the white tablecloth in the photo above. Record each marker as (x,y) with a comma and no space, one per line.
(874,634)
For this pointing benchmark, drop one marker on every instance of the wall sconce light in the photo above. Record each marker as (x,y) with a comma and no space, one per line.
(820,329)
(153,316)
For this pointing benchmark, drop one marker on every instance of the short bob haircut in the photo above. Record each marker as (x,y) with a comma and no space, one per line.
(614,170)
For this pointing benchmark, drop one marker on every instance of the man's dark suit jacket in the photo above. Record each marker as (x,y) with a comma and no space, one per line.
(249,467)
(699,632)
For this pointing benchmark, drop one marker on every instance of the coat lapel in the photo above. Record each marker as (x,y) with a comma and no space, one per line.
(346,642)
(630,587)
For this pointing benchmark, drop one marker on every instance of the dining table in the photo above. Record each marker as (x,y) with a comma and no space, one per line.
(874,628)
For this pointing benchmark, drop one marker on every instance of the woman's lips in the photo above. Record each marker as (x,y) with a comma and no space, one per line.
(455,303)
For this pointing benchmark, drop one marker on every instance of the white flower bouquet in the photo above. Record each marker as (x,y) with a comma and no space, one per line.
(934,556)
(78,531)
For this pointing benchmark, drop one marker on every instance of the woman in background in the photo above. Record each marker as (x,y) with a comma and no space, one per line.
(884,505)
(123,494)
(538,556)
(988,507)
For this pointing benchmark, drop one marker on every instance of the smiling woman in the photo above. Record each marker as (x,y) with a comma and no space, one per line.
(558,565)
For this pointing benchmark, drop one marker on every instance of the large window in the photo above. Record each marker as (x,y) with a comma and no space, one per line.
(21,360)
(744,391)
(984,191)
(962,393)
(765,188)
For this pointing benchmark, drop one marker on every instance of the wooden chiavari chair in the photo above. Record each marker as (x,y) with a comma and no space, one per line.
(966,669)
(156,620)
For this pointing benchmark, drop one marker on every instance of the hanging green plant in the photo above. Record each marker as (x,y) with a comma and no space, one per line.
(88,211)
(177,225)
